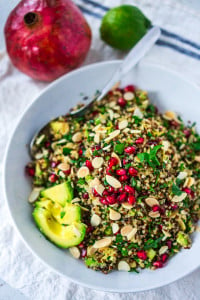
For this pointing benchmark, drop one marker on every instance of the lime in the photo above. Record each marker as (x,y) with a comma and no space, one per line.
(123,26)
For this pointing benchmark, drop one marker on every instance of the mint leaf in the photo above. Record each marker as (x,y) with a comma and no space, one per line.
(119,148)
(175,190)
(66,151)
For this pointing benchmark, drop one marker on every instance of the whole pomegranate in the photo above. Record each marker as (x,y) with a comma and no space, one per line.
(47,38)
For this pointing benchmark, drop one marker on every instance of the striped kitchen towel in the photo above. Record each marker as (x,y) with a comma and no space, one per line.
(178,49)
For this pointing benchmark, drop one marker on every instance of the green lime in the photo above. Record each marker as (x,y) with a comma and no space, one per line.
(123,26)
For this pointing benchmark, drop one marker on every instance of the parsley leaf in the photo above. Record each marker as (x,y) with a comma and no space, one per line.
(150,158)
(119,148)
(66,151)
(62,214)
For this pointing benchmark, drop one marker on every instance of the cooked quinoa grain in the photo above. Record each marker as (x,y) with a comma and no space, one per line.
(136,177)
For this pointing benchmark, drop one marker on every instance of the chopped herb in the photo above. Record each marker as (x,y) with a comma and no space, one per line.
(81,181)
(62,214)
(66,151)
(119,148)
(175,190)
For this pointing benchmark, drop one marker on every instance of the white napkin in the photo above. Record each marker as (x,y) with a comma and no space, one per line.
(178,50)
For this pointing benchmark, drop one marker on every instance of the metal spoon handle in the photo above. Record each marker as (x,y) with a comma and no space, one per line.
(133,57)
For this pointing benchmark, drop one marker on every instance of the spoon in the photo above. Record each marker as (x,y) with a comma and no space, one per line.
(133,57)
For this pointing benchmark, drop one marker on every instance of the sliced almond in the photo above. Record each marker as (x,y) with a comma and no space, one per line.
(115,228)
(76,231)
(151,201)
(111,114)
(97,138)
(82,172)
(63,166)
(129,96)
(182,175)
(34,194)
(75,252)
(138,113)
(197,158)
(100,189)
(39,139)
(114,215)
(131,234)
(179,198)
(64,128)
(127,205)
(77,137)
(97,162)
(170,115)
(95,220)
(166,145)
(125,230)
(154,214)
(94,183)
(122,124)
(91,250)
(163,249)
(123,266)
(189,182)
(105,242)
(112,135)
(113,181)
(181,224)
(75,200)
(117,157)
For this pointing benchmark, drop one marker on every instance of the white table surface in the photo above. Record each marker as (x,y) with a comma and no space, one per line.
(6,292)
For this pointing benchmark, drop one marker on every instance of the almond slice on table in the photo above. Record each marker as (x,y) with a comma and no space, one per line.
(179,198)
(182,175)
(63,166)
(131,234)
(75,252)
(105,242)
(125,230)
(113,181)
(34,194)
(163,249)
(122,124)
(138,113)
(189,182)
(127,205)
(112,135)
(95,220)
(154,214)
(129,96)
(115,227)
(77,137)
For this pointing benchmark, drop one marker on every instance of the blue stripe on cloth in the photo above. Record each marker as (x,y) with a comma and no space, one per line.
(164,32)
(178,48)
(159,42)
(179,38)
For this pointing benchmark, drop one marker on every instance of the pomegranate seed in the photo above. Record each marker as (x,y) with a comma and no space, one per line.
(80,152)
(89,165)
(83,252)
(132,171)
(110,93)
(130,149)
(139,140)
(158,264)
(47,144)
(164,257)
(129,189)
(123,178)
(112,162)
(89,229)
(81,245)
(121,172)
(30,171)
(174,207)
(122,197)
(124,161)
(96,147)
(105,193)
(142,255)
(122,102)
(109,170)
(104,201)
(174,123)
(116,126)
(67,172)
(189,192)
(156,208)
(187,132)
(53,178)
(54,164)
(160,226)
(120,190)
(95,112)
(111,189)
(129,88)
(95,193)
(111,199)
(131,199)
(169,244)
(162,210)
(85,196)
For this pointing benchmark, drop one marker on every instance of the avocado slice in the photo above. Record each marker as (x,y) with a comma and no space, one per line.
(59,127)
(183,239)
(151,253)
(61,193)
(61,235)
(66,215)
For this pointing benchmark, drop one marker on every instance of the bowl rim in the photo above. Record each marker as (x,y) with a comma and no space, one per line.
(8,207)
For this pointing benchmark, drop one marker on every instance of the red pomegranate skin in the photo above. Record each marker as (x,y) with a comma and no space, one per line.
(51,41)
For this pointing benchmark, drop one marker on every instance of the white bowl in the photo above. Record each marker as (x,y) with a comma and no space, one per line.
(168,91)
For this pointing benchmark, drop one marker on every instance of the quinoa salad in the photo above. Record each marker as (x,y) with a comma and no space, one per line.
(119,186)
